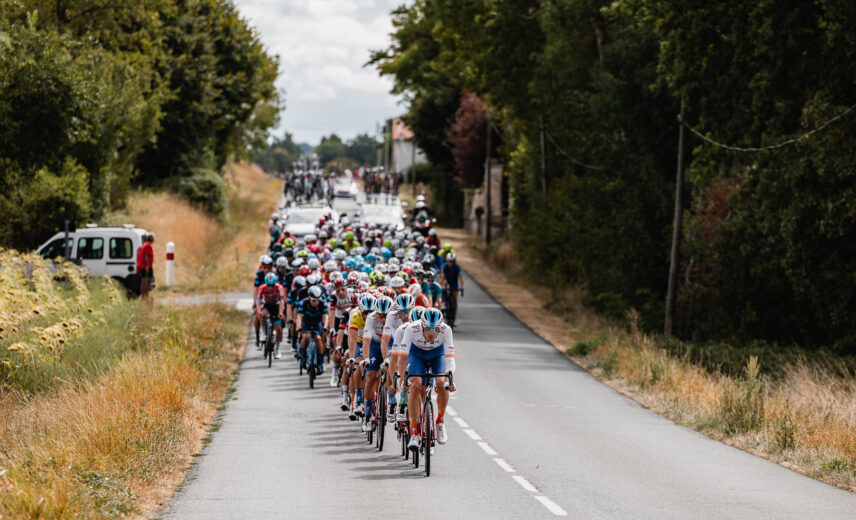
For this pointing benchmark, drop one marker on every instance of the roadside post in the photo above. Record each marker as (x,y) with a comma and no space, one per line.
(170,264)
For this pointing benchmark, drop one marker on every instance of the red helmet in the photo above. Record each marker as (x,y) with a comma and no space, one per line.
(304,270)
(407,269)
(387,291)
(315,248)
(339,283)
(355,296)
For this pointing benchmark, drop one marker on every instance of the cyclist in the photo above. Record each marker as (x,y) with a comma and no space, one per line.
(311,321)
(432,289)
(371,346)
(430,349)
(340,308)
(265,267)
(356,331)
(454,281)
(401,309)
(270,300)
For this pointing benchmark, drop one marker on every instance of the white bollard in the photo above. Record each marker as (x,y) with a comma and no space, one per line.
(170,263)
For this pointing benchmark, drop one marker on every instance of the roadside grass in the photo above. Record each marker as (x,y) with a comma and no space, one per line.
(209,255)
(103,401)
(787,405)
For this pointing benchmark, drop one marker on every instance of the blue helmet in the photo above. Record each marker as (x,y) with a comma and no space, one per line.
(271,279)
(371,258)
(416,313)
(386,253)
(404,302)
(432,317)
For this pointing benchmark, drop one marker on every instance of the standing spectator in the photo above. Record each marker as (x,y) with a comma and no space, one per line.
(145,264)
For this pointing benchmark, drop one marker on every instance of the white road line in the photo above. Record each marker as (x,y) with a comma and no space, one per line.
(451,411)
(525,484)
(462,423)
(486,447)
(552,506)
(472,434)
(244,304)
(504,465)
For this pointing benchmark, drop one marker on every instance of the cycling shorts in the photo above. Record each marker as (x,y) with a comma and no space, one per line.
(313,327)
(273,311)
(375,357)
(342,323)
(421,361)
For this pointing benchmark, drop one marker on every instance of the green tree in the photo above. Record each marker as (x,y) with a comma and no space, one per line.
(330,148)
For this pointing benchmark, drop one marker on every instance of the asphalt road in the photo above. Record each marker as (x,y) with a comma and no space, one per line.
(531,435)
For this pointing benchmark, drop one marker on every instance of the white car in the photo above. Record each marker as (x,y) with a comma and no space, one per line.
(345,187)
(382,214)
(303,220)
(104,251)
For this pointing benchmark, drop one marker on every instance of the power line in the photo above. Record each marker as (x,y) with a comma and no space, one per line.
(568,157)
(765,148)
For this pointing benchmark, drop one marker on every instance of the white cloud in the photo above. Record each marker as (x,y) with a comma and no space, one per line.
(323,45)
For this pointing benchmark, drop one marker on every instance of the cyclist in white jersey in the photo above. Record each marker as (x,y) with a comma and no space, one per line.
(371,346)
(430,349)
(403,303)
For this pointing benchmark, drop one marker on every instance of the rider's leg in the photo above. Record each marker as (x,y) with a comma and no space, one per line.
(442,396)
(278,332)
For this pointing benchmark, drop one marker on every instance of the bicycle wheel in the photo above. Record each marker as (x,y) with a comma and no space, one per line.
(269,351)
(381,416)
(428,437)
(311,368)
(301,358)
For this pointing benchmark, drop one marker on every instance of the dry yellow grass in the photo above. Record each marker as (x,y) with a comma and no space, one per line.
(805,419)
(209,255)
(117,445)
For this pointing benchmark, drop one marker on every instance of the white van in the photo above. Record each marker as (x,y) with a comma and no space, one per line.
(105,251)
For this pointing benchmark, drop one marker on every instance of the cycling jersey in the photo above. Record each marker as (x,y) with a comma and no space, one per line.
(342,305)
(397,336)
(428,356)
(286,278)
(270,295)
(413,337)
(357,322)
(452,274)
(260,277)
(392,323)
(312,313)
(374,326)
(432,290)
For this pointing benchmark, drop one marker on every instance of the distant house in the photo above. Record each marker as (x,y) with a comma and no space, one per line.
(404,150)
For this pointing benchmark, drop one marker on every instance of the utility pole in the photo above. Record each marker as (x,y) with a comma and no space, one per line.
(676,227)
(489,212)
(543,163)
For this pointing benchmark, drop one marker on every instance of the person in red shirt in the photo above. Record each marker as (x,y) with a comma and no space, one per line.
(270,299)
(415,290)
(145,264)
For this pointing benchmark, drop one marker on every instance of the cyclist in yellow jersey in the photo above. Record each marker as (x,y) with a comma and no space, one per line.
(352,394)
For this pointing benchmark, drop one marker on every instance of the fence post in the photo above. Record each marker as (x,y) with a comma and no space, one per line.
(170,264)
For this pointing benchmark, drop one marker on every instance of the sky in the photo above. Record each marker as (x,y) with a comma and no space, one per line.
(322,46)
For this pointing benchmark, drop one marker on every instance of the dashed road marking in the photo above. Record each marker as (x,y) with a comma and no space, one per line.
(504,465)
(451,411)
(244,304)
(472,434)
(551,506)
(487,449)
(525,483)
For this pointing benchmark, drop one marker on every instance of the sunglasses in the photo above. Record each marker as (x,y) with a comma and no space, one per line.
(431,328)
(314,300)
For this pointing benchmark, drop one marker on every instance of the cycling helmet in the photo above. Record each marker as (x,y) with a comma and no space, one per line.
(353,278)
(310,238)
(415,290)
(276,248)
(313,279)
(266,260)
(323,235)
(354,297)
(261,259)
(313,264)
(329,266)
(399,253)
(271,279)
(396,281)
(394,261)
(303,253)
(288,242)
(416,313)
(364,277)
(363,285)
(388,292)
(404,302)
(304,270)
(383,305)
(349,235)
(297,263)
(282,262)
(350,264)
(432,317)
(366,302)
(315,292)
(447,247)
(450,256)
(432,232)
(386,253)
(404,276)
(371,258)
(339,283)
(299,281)
(339,255)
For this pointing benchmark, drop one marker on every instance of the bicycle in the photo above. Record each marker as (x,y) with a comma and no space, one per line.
(450,304)
(309,360)
(269,341)
(379,417)
(426,424)
(402,431)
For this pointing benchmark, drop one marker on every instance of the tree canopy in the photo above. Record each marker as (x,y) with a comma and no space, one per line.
(585,94)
